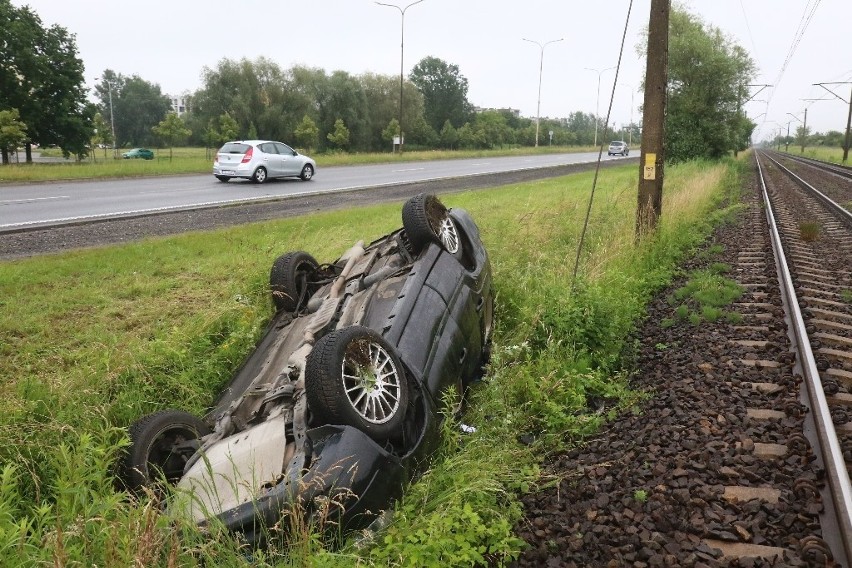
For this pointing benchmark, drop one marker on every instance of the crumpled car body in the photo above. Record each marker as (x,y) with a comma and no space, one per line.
(340,403)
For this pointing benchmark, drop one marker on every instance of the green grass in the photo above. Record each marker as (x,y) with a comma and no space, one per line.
(705,294)
(200,160)
(91,340)
(809,231)
(823,153)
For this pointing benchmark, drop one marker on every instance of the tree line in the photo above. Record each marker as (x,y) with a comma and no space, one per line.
(45,102)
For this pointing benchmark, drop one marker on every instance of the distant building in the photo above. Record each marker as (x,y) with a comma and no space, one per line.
(513,111)
(180,103)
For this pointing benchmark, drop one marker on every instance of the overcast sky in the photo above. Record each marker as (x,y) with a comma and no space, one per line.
(169,43)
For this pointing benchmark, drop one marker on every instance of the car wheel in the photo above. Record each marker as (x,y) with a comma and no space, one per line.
(291,280)
(259,175)
(354,378)
(224,179)
(307,172)
(425,219)
(158,447)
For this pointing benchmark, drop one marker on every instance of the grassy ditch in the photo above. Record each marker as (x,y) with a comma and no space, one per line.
(91,340)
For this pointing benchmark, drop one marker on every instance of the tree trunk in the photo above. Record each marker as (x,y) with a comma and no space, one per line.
(28,147)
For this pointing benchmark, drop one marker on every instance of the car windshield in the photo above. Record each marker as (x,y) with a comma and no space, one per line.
(234,148)
(616,143)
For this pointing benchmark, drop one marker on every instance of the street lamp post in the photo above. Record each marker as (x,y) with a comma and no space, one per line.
(630,128)
(540,68)
(598,97)
(401,56)
(111,118)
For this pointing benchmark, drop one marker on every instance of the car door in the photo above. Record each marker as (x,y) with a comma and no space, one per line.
(290,163)
(272,160)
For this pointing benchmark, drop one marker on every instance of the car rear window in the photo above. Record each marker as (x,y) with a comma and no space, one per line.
(616,143)
(234,148)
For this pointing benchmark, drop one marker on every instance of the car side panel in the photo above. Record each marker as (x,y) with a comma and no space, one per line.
(425,325)
(460,340)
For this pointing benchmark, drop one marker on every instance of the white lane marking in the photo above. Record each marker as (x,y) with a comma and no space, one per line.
(409,170)
(34,199)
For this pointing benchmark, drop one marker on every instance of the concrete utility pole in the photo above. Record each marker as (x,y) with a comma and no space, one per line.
(804,128)
(651,158)
(848,117)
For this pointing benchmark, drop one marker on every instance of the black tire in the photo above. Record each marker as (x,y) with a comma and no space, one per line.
(157,448)
(354,378)
(259,175)
(224,179)
(425,219)
(307,173)
(292,280)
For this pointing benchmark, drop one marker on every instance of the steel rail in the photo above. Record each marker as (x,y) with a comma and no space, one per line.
(844,214)
(843,171)
(837,475)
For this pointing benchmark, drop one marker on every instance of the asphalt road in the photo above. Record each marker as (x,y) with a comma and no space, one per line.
(34,205)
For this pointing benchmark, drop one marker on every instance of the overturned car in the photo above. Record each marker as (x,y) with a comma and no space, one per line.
(341,400)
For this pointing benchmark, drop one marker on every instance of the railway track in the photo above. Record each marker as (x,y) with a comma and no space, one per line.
(814,254)
(740,458)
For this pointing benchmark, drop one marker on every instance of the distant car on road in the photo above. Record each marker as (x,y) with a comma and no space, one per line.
(142,153)
(618,147)
(261,160)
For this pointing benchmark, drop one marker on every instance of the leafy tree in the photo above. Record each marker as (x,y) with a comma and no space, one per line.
(802,134)
(307,133)
(137,106)
(228,128)
(381,95)
(343,99)
(211,137)
(339,137)
(172,130)
(42,77)
(449,135)
(833,138)
(392,131)
(101,133)
(444,91)
(276,102)
(708,78)
(471,138)
(492,130)
(13,132)
(254,93)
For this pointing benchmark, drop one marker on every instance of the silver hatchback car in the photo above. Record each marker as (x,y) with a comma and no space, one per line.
(260,160)
(618,147)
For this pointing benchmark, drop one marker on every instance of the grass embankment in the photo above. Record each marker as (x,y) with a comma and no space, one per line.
(200,160)
(834,155)
(91,340)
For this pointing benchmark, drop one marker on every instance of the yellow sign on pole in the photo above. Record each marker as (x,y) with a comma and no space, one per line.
(650,169)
